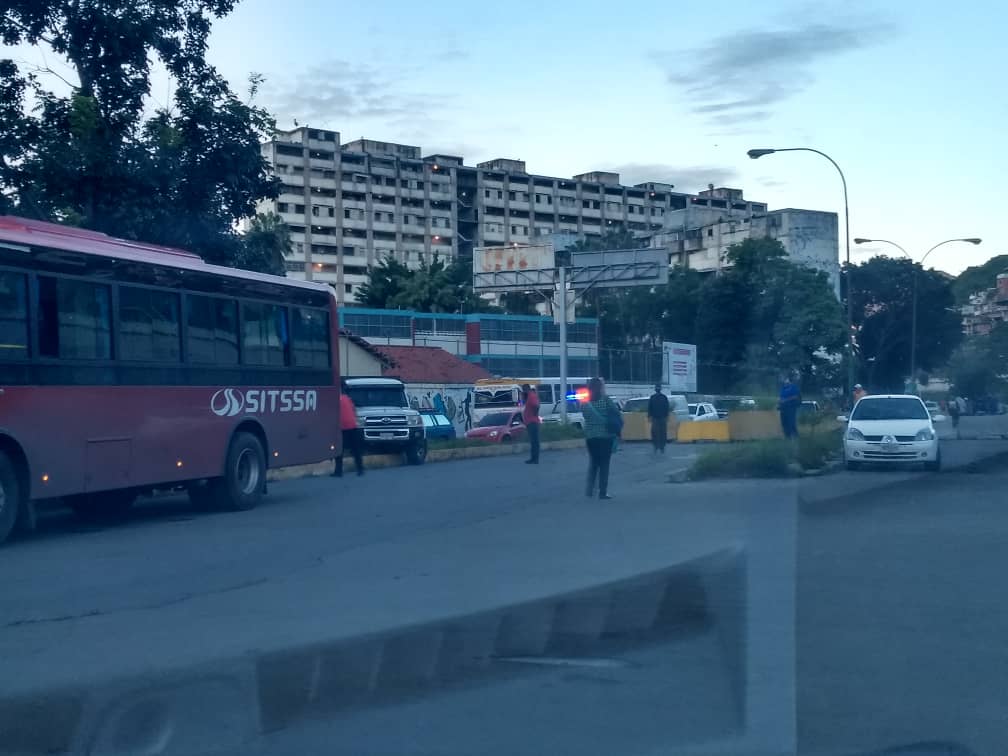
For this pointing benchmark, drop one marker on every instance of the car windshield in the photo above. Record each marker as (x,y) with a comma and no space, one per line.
(378,396)
(890,408)
(635,405)
(495,418)
(494,398)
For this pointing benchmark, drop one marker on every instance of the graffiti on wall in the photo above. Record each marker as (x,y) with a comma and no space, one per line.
(454,402)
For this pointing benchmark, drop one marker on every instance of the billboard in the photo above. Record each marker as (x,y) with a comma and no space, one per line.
(679,367)
(511,258)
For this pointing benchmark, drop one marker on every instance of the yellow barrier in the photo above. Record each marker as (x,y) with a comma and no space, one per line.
(710,430)
(637,427)
(751,426)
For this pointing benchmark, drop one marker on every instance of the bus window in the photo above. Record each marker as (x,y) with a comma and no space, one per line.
(311,337)
(13,316)
(264,339)
(213,330)
(74,319)
(148,325)
(545,391)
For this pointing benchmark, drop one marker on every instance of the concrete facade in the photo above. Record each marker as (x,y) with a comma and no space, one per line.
(699,238)
(350,205)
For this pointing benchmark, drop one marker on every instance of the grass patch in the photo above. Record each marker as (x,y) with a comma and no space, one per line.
(772,458)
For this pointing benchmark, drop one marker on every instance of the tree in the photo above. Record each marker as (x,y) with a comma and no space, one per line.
(85,154)
(386,281)
(978,277)
(883,319)
(266,243)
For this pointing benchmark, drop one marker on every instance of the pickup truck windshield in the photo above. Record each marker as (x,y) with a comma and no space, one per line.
(378,396)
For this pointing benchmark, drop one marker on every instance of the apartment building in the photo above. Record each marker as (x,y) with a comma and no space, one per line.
(699,236)
(986,309)
(348,205)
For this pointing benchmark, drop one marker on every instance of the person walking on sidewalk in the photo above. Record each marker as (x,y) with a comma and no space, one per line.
(658,412)
(530,416)
(602,424)
(353,436)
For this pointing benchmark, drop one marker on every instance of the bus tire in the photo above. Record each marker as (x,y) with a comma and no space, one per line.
(10,496)
(416,454)
(244,478)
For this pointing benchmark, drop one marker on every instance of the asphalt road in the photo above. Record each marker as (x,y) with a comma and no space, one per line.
(895,577)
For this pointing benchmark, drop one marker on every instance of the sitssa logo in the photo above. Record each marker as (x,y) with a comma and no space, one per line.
(228,402)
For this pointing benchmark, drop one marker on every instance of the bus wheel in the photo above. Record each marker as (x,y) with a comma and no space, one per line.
(10,496)
(245,474)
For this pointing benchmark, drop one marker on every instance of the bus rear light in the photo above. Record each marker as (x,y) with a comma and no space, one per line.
(45,478)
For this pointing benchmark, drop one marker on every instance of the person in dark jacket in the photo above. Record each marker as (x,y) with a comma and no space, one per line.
(658,412)
(601,421)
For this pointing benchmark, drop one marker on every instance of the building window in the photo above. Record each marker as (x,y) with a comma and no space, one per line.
(213,327)
(310,338)
(281,207)
(299,209)
(13,316)
(148,325)
(264,334)
(315,210)
(710,232)
(348,288)
(74,319)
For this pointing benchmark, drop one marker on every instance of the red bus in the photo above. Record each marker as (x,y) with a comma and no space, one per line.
(126,367)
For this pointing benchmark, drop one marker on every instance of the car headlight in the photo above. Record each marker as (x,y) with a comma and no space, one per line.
(853,434)
(924,434)
(414,420)
(493,434)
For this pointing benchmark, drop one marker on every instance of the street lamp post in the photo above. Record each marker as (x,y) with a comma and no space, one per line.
(758,153)
(913,316)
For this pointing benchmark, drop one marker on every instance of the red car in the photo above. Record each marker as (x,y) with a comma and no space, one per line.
(499,427)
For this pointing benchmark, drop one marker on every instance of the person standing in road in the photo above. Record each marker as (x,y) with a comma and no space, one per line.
(790,401)
(858,392)
(602,423)
(530,416)
(658,412)
(353,436)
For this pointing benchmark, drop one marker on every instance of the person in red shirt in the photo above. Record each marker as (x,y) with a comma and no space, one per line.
(530,416)
(353,436)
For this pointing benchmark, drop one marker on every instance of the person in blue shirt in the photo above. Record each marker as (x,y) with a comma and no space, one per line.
(790,401)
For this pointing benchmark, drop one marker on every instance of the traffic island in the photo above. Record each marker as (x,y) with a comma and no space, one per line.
(772,458)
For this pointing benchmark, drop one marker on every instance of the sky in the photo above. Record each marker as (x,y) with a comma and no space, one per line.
(907,97)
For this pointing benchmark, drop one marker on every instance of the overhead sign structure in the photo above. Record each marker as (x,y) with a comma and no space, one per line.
(514,268)
(619,267)
(679,366)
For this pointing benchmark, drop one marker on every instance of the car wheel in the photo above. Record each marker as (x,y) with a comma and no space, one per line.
(506,440)
(935,465)
(416,454)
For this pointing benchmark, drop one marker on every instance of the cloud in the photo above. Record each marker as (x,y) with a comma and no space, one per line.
(685,178)
(738,77)
(337,94)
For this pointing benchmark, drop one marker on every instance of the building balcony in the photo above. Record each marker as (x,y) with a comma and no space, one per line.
(412,228)
(384,226)
(361,224)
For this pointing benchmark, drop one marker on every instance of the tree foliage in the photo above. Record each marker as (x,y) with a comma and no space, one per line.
(883,319)
(978,277)
(436,286)
(979,367)
(85,152)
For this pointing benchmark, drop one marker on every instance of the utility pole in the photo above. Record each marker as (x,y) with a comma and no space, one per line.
(562,299)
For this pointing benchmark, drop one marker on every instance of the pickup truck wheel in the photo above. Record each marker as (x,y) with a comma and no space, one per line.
(10,496)
(416,454)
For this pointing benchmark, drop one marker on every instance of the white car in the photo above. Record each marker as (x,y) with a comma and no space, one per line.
(703,412)
(574,416)
(678,406)
(890,428)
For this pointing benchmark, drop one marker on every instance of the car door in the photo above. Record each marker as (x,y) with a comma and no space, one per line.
(517,427)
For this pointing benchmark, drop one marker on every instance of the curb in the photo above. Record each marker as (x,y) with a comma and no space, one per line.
(378,461)
(239,699)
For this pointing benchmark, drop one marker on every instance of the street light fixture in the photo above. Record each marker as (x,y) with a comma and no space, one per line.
(913,324)
(760,152)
